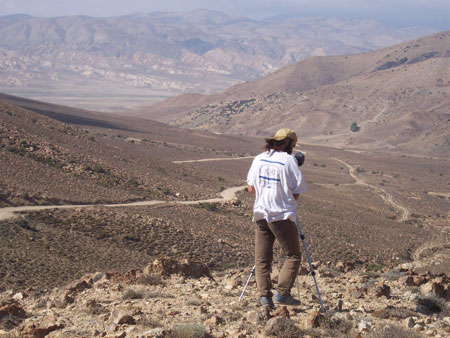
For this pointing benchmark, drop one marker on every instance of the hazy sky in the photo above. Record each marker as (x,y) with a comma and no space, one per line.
(435,13)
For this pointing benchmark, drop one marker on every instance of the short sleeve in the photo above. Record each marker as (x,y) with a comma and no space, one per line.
(296,180)
(250,175)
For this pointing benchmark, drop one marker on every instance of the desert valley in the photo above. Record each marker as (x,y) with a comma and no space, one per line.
(139,224)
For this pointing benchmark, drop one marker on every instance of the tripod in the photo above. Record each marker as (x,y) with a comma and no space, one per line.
(313,273)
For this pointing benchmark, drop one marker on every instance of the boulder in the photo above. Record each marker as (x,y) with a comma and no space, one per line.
(214,321)
(41,328)
(313,321)
(166,266)
(11,314)
(383,290)
(282,312)
(120,317)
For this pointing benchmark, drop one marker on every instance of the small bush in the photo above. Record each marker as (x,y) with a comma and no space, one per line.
(393,331)
(148,322)
(354,127)
(133,294)
(434,304)
(334,324)
(133,182)
(284,328)
(193,302)
(210,206)
(151,280)
(374,267)
(131,238)
(98,169)
(188,331)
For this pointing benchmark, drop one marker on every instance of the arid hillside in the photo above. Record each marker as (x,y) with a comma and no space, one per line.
(399,98)
(376,226)
(99,159)
(54,154)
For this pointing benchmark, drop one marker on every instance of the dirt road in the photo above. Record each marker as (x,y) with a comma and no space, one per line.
(226,195)
(387,197)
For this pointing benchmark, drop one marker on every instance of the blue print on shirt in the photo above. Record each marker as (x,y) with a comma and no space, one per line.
(269,175)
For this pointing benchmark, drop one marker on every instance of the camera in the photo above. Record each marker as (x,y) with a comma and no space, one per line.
(300,157)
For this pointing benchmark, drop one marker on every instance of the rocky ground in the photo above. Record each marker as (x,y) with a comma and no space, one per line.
(171,298)
(364,216)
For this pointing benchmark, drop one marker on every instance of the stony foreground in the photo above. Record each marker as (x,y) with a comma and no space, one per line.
(172,298)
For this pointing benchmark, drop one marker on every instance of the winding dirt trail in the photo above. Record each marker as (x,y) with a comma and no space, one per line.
(226,195)
(387,197)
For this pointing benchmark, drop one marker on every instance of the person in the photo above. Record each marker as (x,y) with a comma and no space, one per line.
(276,180)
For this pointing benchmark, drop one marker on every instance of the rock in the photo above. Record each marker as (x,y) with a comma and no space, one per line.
(383,290)
(11,314)
(356,292)
(233,284)
(303,271)
(282,312)
(438,287)
(327,273)
(11,308)
(166,266)
(214,321)
(155,333)
(97,276)
(18,296)
(364,326)
(345,266)
(423,309)
(407,281)
(313,321)
(41,328)
(120,316)
(409,323)
(78,286)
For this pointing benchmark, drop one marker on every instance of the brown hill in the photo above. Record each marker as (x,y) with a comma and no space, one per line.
(398,95)
(114,63)
(371,210)
(55,154)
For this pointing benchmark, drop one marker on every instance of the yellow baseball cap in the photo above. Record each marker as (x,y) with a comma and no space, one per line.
(283,133)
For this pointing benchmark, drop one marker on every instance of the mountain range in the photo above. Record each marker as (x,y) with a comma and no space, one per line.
(111,63)
(397,96)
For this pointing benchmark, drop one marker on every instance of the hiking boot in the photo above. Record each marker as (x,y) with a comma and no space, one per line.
(285,299)
(266,301)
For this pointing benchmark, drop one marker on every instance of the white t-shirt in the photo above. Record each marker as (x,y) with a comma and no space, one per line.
(276,177)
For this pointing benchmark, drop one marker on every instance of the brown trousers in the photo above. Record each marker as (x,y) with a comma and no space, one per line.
(286,233)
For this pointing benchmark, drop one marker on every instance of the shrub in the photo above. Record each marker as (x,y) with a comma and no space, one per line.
(434,304)
(284,328)
(393,331)
(132,294)
(354,127)
(151,280)
(133,182)
(210,206)
(188,331)
(193,302)
(98,169)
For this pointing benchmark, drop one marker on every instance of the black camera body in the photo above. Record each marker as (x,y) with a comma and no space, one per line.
(300,157)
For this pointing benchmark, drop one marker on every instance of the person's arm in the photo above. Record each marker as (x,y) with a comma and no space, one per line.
(251,189)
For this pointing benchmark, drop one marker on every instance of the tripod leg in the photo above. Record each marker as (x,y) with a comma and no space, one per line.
(313,273)
(252,271)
